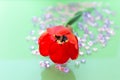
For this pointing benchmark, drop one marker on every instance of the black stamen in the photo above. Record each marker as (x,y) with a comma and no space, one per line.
(61,38)
(64,38)
(57,37)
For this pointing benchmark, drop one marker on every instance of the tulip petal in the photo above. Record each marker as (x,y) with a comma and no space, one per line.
(74,51)
(58,30)
(73,39)
(44,42)
(59,53)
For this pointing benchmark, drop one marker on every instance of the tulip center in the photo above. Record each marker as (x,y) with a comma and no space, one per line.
(61,39)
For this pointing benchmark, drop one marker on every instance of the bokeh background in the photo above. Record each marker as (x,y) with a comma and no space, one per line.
(17,62)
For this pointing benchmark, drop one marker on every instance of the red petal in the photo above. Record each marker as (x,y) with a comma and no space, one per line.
(58,30)
(44,42)
(73,39)
(59,53)
(74,51)
(74,47)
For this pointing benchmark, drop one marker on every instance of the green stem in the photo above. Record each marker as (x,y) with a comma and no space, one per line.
(77,16)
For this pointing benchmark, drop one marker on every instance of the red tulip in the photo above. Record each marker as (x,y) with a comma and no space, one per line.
(59,43)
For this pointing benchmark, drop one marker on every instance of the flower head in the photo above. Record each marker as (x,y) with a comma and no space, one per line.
(59,43)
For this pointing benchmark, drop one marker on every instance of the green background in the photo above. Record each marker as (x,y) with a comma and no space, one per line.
(17,62)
